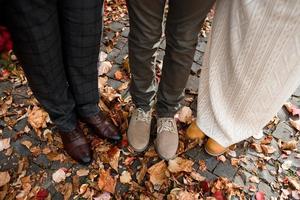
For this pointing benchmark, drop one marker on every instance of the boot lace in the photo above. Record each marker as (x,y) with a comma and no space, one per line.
(168,125)
(143,116)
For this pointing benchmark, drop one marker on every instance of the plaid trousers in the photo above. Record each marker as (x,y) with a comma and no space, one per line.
(183,24)
(58,42)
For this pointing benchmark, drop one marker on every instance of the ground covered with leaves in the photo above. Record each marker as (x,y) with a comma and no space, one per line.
(33,164)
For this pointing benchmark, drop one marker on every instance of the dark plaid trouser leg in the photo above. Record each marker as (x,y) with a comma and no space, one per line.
(81,25)
(182,27)
(37,28)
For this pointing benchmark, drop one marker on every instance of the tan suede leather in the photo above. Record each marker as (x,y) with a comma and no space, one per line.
(166,142)
(139,130)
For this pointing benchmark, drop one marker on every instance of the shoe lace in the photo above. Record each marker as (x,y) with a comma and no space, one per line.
(143,116)
(168,125)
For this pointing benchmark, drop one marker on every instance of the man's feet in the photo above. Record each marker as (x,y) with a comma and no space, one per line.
(77,146)
(166,142)
(102,126)
(139,129)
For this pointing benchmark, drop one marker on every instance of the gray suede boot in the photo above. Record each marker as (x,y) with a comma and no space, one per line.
(166,142)
(139,129)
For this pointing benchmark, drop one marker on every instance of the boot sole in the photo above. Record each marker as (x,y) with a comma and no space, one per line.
(214,154)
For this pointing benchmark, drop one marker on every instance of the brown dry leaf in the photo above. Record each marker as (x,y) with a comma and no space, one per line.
(257,147)
(235,162)
(197,176)
(102,81)
(83,188)
(37,118)
(126,65)
(106,182)
(83,172)
(267,140)
(67,191)
(123,86)
(110,93)
(202,165)
(158,173)
(59,175)
(295,124)
(185,115)
(221,158)
(4,144)
(180,194)
(118,75)
(180,165)
(27,143)
(141,174)
(4,178)
(125,177)
(151,153)
(290,145)
(295,183)
(104,68)
(114,155)
(268,149)
(254,179)
(292,108)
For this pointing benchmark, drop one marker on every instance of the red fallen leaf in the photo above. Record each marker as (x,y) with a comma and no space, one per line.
(204,185)
(5,73)
(42,194)
(123,143)
(260,196)
(219,195)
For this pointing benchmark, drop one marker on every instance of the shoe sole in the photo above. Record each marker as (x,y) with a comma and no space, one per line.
(138,150)
(214,154)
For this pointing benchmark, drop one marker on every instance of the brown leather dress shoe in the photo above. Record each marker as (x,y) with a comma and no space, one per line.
(102,126)
(76,145)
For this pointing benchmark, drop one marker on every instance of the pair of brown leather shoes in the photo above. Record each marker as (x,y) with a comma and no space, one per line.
(76,144)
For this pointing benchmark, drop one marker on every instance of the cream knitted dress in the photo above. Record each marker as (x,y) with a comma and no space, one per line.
(251,67)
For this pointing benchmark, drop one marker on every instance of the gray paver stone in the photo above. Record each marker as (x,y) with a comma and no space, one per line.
(283,131)
(225,170)
(263,187)
(116,26)
(192,84)
(198,154)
